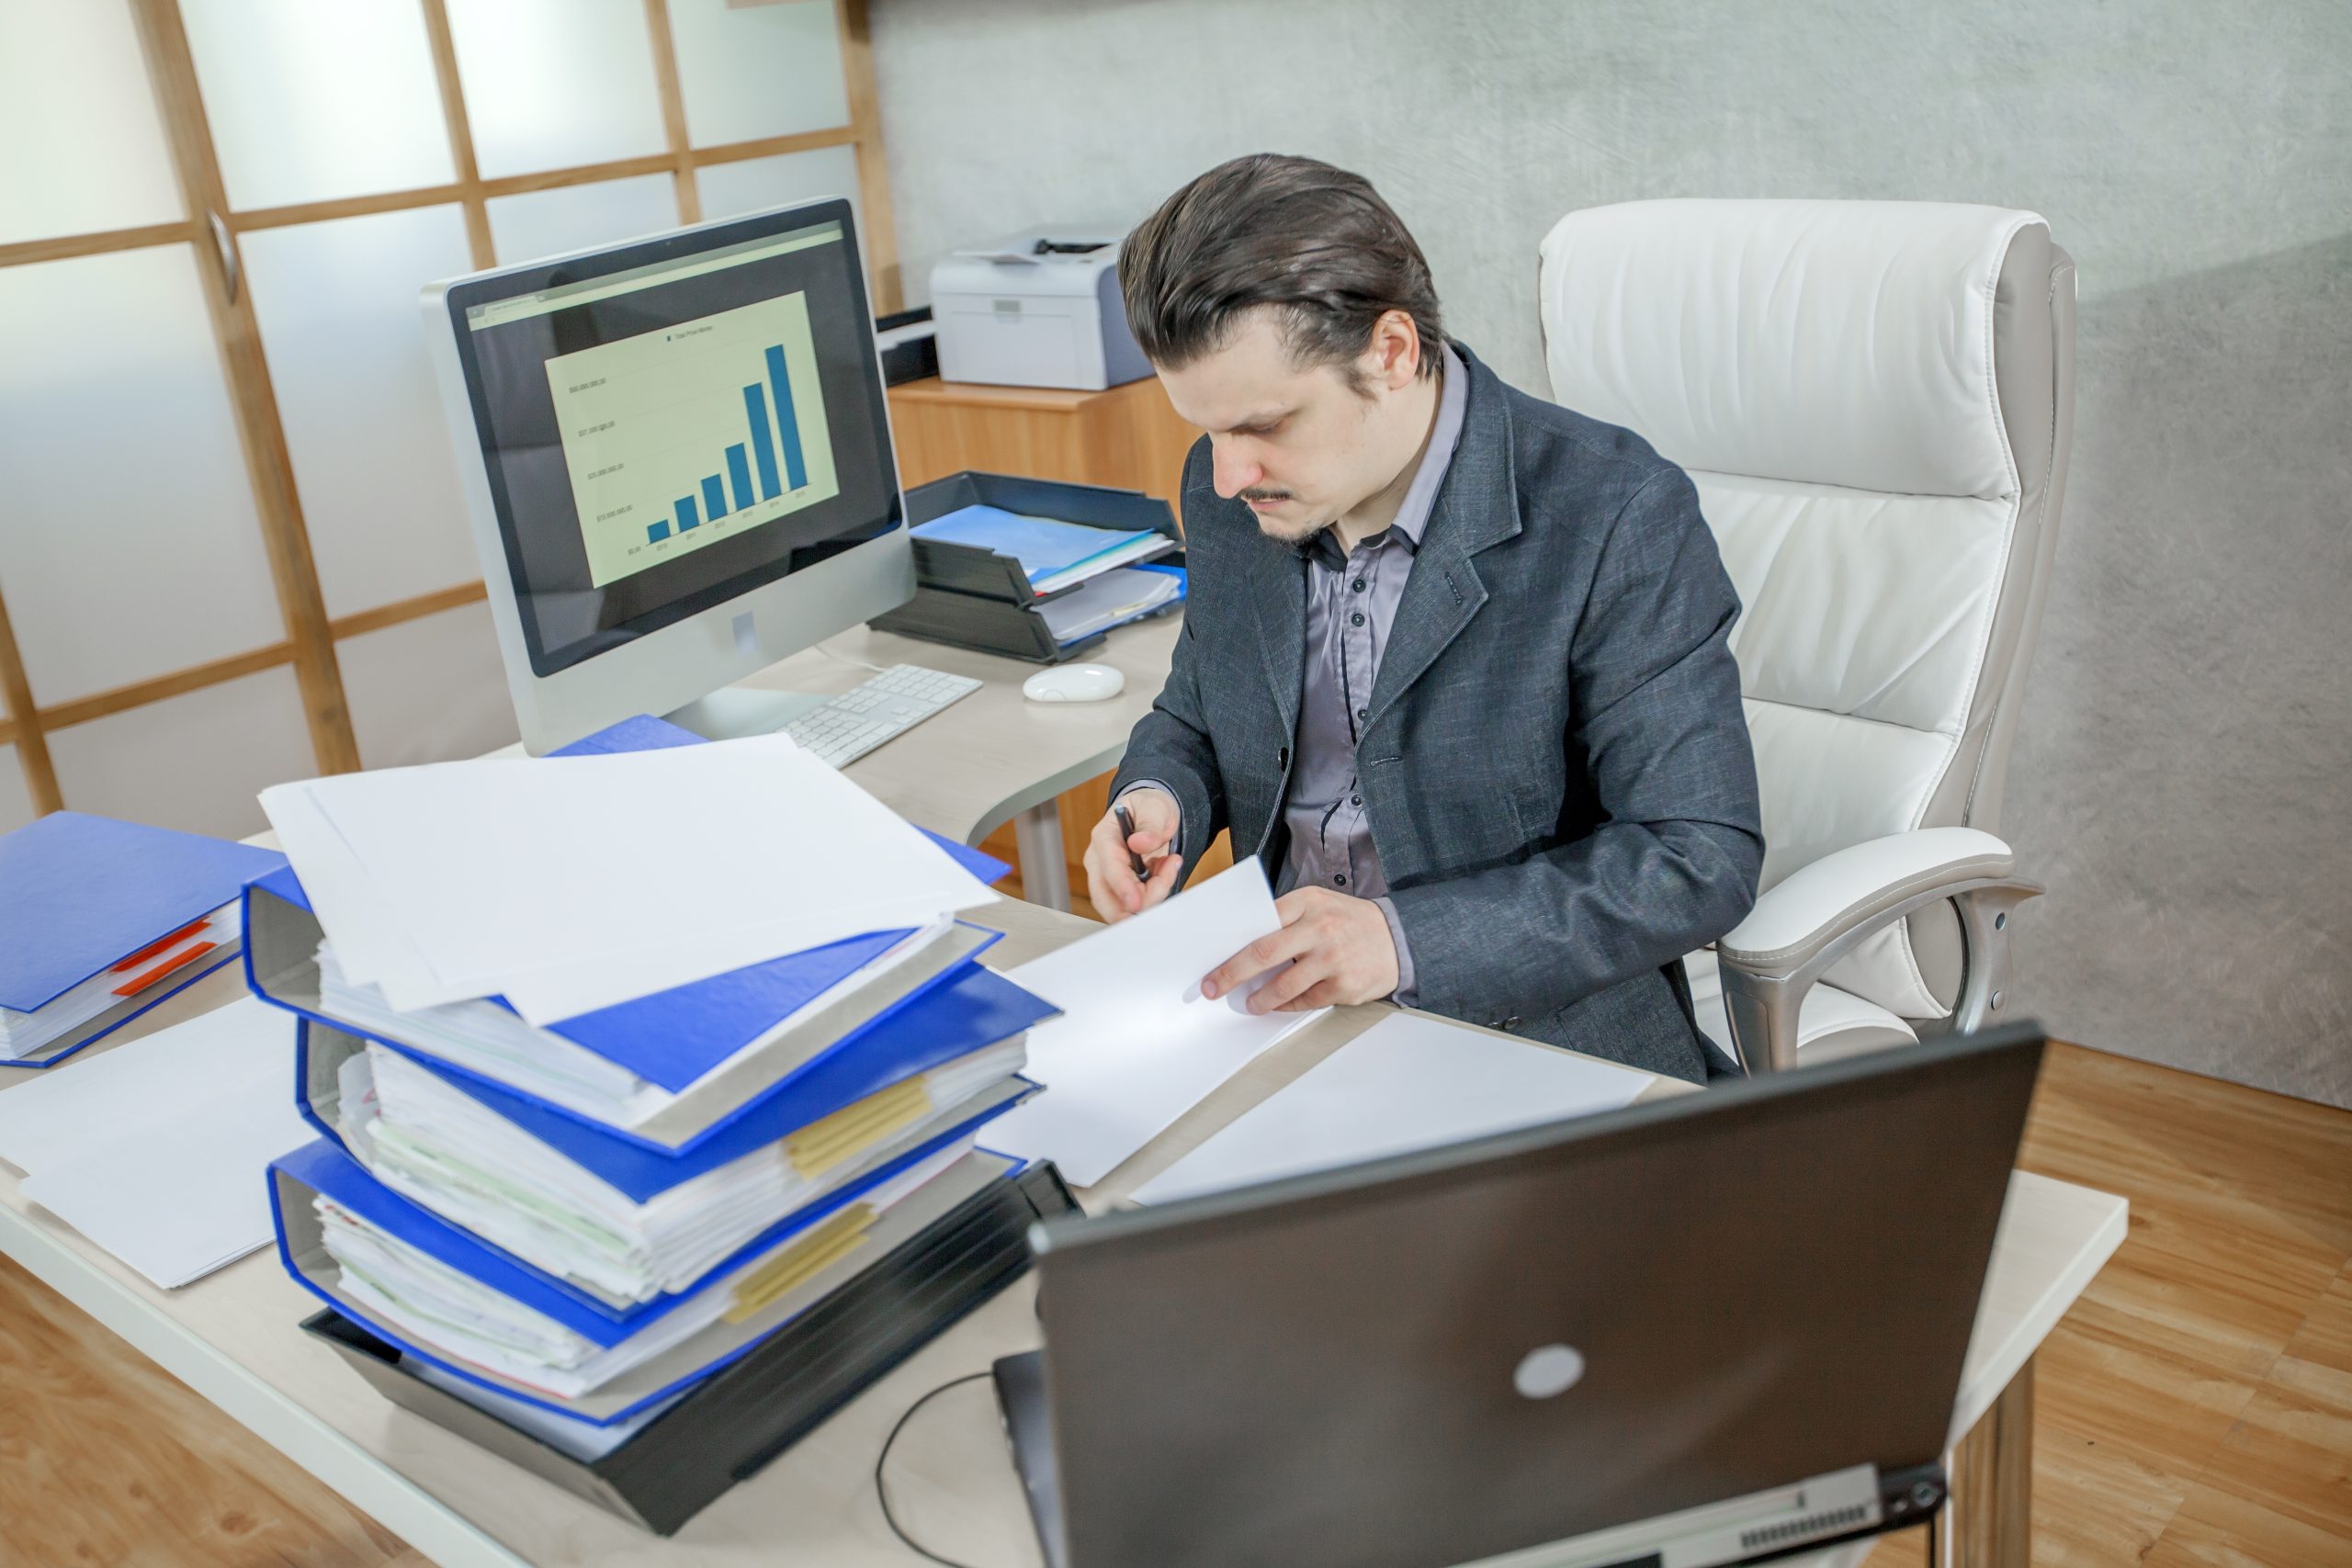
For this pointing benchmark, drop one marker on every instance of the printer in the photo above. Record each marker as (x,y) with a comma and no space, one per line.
(1037,310)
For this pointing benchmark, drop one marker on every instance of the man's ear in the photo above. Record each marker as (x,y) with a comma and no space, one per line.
(1393,357)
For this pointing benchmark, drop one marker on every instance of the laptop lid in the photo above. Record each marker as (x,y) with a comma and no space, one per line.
(1462,1353)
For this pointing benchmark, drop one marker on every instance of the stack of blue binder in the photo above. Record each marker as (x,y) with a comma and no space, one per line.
(596,1218)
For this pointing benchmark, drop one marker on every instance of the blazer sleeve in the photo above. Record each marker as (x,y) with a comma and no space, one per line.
(1170,746)
(1657,730)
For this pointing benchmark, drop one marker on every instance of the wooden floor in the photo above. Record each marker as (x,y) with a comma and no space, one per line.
(2195,1408)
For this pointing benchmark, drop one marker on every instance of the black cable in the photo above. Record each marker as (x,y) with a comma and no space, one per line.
(882,1493)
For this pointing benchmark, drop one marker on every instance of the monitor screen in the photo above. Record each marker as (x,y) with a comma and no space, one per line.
(672,425)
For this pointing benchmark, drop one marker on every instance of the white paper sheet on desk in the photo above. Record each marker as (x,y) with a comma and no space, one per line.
(1137,1045)
(1406,1083)
(571,884)
(156,1150)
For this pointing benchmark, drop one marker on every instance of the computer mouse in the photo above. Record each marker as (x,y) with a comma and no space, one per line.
(1074,683)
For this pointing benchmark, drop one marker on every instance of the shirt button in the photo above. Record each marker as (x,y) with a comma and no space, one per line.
(1355,800)
(1357,585)
(1339,881)
(1364,713)
(1356,619)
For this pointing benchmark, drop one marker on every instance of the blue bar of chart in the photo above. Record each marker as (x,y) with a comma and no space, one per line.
(739,471)
(755,408)
(689,434)
(786,425)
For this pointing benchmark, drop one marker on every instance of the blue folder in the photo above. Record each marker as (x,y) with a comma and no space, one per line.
(1041,545)
(82,893)
(975,1010)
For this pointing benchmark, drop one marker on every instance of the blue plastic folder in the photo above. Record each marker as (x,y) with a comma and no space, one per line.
(1042,546)
(975,1009)
(82,893)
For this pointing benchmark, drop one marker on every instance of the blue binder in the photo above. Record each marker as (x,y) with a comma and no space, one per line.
(82,893)
(975,1009)
(324,1168)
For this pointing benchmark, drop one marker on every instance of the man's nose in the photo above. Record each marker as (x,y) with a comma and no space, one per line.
(1234,472)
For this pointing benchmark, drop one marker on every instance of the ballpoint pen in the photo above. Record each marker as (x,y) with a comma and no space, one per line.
(1126,831)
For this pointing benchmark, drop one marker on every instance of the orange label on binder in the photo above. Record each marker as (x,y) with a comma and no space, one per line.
(160,944)
(137,984)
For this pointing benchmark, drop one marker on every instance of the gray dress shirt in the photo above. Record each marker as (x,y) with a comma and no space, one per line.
(1352,600)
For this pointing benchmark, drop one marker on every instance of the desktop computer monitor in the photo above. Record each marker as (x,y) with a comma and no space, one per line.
(676,453)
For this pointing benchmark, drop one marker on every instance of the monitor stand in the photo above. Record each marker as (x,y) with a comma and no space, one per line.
(731,713)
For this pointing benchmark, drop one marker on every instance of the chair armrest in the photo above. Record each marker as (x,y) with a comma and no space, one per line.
(1848,890)
(1807,923)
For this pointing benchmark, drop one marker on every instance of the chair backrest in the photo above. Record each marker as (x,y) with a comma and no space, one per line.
(1874,400)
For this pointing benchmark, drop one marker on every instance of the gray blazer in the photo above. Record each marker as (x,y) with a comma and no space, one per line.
(1556,770)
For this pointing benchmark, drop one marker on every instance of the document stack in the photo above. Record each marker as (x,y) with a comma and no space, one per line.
(592,1142)
(102,920)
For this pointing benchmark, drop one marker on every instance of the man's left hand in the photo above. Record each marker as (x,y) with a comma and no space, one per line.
(1332,951)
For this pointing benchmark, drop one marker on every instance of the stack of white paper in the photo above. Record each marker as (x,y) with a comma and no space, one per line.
(567,885)
(157,1150)
(431,1142)
(1405,1084)
(419,1296)
(1137,1045)
(1117,596)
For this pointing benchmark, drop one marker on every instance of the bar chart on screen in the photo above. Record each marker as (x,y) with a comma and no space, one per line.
(679,437)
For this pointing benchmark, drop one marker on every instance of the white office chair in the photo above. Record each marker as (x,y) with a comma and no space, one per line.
(1874,400)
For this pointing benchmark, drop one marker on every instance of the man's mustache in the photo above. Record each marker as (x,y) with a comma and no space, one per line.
(1265,495)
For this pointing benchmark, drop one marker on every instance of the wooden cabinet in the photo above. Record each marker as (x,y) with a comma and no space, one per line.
(1129,436)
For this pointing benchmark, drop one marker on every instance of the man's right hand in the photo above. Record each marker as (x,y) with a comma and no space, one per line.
(1111,880)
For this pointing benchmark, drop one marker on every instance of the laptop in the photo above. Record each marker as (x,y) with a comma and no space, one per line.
(1714,1328)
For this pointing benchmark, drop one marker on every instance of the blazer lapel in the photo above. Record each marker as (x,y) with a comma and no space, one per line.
(1477,507)
(1278,587)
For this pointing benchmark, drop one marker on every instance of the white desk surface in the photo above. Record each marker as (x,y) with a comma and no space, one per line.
(1010,753)
(233,1338)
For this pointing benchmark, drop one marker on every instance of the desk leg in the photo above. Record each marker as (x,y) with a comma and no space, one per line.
(1988,1523)
(1045,876)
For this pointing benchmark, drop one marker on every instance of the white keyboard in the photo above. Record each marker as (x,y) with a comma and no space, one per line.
(861,718)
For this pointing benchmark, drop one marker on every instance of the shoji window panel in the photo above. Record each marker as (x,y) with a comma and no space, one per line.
(337,304)
(572,218)
(309,100)
(555,84)
(750,184)
(131,547)
(427,689)
(194,761)
(751,72)
(74,87)
(16,805)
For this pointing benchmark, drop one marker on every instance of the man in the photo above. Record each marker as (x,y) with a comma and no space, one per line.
(1454,660)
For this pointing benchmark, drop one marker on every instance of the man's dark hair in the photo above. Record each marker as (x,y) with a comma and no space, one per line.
(1314,242)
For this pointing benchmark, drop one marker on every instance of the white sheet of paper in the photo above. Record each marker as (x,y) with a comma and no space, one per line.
(1406,1083)
(1137,1045)
(571,884)
(156,1150)
(190,1198)
(125,1093)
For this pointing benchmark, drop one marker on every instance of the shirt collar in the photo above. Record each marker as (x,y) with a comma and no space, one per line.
(1421,497)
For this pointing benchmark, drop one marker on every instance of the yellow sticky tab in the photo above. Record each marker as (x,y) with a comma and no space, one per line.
(856,1127)
(802,1261)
